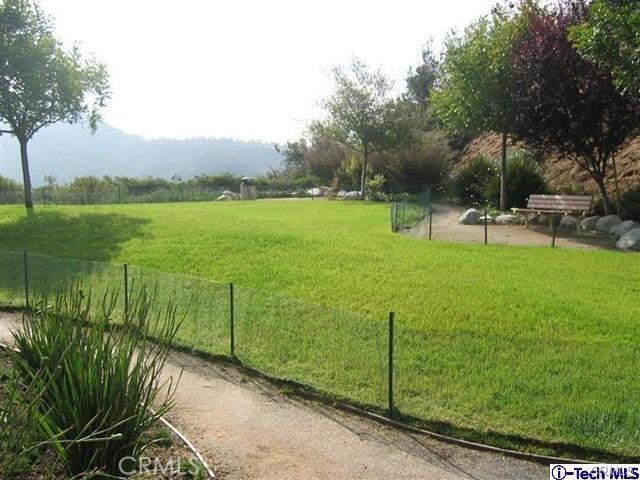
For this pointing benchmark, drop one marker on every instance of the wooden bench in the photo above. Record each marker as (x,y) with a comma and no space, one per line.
(555,205)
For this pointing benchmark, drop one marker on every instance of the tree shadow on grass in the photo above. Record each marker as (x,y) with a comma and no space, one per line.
(91,236)
(61,247)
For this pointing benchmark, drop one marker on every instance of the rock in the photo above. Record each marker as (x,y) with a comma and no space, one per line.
(469,217)
(315,192)
(568,223)
(607,222)
(626,226)
(231,194)
(589,223)
(224,197)
(355,195)
(543,219)
(490,219)
(630,240)
(341,194)
(507,219)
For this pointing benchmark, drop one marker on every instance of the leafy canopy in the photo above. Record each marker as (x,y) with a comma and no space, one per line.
(40,82)
(611,38)
(475,93)
(565,102)
(362,114)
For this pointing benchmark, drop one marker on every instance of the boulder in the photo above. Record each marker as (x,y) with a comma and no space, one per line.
(630,240)
(624,227)
(341,194)
(507,219)
(607,222)
(315,192)
(490,219)
(224,197)
(568,223)
(543,219)
(469,217)
(589,223)
(354,195)
(234,196)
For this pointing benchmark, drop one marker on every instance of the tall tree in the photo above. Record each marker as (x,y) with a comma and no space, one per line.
(475,88)
(292,158)
(566,103)
(611,38)
(362,115)
(41,83)
(422,79)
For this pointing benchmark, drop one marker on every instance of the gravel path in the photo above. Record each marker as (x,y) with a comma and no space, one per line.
(446,227)
(248,429)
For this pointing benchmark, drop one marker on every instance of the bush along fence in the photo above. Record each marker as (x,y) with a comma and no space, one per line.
(120,194)
(513,389)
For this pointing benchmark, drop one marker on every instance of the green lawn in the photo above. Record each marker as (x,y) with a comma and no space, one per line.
(532,342)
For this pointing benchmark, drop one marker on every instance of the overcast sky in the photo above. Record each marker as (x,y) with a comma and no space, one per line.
(246,69)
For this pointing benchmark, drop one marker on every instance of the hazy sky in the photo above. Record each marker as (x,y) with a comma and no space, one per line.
(244,69)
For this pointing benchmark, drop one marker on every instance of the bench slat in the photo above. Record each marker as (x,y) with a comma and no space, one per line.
(577,203)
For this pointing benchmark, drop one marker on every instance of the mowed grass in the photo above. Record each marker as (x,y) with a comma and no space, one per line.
(538,343)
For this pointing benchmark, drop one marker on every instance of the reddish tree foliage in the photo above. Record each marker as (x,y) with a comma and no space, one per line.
(564,102)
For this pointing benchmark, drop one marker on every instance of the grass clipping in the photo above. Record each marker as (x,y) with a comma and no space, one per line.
(100,389)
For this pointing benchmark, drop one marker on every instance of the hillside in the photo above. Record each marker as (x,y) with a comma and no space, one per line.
(68,151)
(562,172)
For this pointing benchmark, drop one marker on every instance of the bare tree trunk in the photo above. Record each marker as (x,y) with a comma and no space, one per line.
(26,177)
(606,203)
(615,179)
(363,176)
(503,175)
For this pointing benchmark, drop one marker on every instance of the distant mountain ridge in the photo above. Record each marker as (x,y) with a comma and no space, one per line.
(68,151)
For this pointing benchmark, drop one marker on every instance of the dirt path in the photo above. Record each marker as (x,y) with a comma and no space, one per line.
(248,429)
(446,227)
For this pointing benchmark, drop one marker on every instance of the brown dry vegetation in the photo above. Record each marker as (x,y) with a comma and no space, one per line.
(560,173)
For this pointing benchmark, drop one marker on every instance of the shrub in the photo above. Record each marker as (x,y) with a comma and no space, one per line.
(348,174)
(524,177)
(102,382)
(10,191)
(411,170)
(470,184)
(630,203)
(375,188)
(18,423)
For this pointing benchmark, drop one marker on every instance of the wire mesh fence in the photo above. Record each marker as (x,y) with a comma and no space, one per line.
(482,384)
(114,194)
(405,216)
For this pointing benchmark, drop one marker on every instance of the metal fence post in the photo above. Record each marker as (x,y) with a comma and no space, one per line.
(126,290)
(430,220)
(485,226)
(232,339)
(390,364)
(553,231)
(26,279)
(396,228)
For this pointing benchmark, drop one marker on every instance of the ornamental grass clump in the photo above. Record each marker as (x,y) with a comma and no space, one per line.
(103,384)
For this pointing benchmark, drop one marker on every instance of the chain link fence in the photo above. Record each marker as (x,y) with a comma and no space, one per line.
(515,389)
